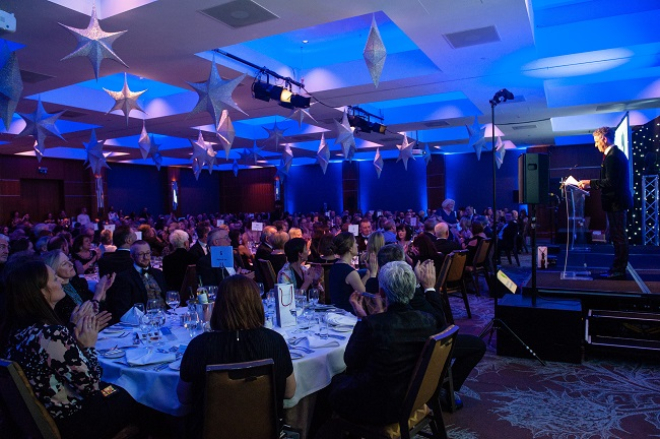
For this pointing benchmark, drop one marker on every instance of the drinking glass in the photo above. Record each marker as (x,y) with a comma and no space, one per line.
(154,305)
(172,299)
(212,293)
(301,299)
(323,326)
(190,321)
(261,289)
(313,297)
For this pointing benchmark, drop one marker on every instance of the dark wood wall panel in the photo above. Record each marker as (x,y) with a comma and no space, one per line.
(435,181)
(350,176)
(251,191)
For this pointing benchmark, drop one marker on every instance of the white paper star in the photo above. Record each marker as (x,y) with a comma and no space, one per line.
(215,94)
(144,142)
(235,168)
(476,140)
(275,134)
(374,53)
(11,84)
(196,168)
(427,154)
(40,124)
(95,158)
(405,151)
(287,158)
(125,99)
(323,154)
(226,132)
(345,137)
(94,43)
(199,150)
(210,157)
(300,113)
(499,152)
(378,162)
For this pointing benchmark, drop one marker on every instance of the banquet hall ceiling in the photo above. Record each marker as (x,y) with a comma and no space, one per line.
(572,66)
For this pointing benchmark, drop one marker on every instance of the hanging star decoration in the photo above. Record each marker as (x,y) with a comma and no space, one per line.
(300,113)
(94,43)
(323,154)
(196,168)
(500,151)
(345,137)
(276,134)
(476,139)
(203,152)
(144,142)
(11,84)
(210,157)
(245,156)
(215,94)
(95,158)
(405,151)
(378,162)
(226,132)
(235,168)
(255,152)
(427,154)
(38,151)
(287,158)
(374,53)
(155,154)
(40,124)
(125,99)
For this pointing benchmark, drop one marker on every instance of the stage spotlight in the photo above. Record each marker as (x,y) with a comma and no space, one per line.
(287,99)
(378,128)
(261,91)
(365,126)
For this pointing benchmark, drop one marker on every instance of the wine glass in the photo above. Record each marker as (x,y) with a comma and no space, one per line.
(172,299)
(313,297)
(190,321)
(153,306)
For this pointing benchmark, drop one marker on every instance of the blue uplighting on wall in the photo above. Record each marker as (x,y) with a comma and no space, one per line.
(396,189)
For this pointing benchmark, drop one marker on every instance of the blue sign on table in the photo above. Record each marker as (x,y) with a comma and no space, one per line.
(222,256)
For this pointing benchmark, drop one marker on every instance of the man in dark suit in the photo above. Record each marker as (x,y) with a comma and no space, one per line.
(616,199)
(176,263)
(119,260)
(200,248)
(429,228)
(442,243)
(138,284)
(213,275)
(263,251)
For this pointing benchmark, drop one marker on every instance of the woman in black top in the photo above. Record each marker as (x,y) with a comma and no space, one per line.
(237,335)
(82,254)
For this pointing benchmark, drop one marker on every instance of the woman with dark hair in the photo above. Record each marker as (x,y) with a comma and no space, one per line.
(422,248)
(60,364)
(82,255)
(241,251)
(403,235)
(294,272)
(237,335)
(344,279)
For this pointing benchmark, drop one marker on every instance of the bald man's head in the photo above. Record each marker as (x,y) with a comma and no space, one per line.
(441,230)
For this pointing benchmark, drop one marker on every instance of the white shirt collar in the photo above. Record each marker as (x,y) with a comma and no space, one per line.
(608,149)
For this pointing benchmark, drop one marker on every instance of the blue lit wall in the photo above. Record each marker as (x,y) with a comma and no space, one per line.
(306,188)
(197,196)
(131,191)
(396,189)
(470,182)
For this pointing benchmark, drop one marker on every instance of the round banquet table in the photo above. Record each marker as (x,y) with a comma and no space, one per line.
(155,386)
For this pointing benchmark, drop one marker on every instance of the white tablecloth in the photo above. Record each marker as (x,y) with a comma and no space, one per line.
(157,389)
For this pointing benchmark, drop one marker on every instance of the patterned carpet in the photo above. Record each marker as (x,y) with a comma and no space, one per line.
(519,398)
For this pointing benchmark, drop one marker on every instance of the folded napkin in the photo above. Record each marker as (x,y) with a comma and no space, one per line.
(132,316)
(320,344)
(142,356)
(340,319)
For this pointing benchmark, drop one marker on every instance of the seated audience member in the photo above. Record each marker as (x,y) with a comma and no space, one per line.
(374,243)
(75,287)
(265,247)
(41,246)
(429,229)
(243,255)
(61,365)
(477,235)
(277,257)
(444,244)
(4,253)
(82,254)
(176,263)
(422,249)
(468,349)
(200,247)
(149,235)
(119,260)
(295,232)
(403,236)
(207,273)
(344,280)
(363,236)
(389,231)
(138,284)
(294,272)
(237,335)
(58,242)
(382,353)
(22,245)
(106,242)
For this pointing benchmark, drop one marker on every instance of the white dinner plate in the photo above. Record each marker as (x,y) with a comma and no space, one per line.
(115,353)
(175,365)
(342,328)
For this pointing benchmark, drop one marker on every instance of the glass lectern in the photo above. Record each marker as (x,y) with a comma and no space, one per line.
(576,228)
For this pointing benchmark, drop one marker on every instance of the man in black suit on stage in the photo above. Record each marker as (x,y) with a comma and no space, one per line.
(616,199)
(137,284)
(119,260)
(200,248)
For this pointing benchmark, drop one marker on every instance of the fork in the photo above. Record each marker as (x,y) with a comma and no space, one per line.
(302,349)
(125,334)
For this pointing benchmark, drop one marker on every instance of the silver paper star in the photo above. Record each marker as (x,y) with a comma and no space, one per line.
(95,158)
(374,53)
(155,154)
(94,43)
(196,168)
(199,150)
(300,113)
(378,162)
(210,157)
(476,140)
(215,94)
(427,154)
(287,158)
(125,99)
(245,156)
(282,172)
(235,168)
(345,137)
(275,134)
(40,124)
(226,132)
(144,142)
(405,151)
(39,151)
(11,84)
(499,152)
(323,154)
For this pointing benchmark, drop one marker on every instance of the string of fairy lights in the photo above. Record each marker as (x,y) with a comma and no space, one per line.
(645,140)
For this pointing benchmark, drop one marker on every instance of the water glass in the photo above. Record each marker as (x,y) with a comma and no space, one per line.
(323,326)
(212,293)
(154,305)
(261,289)
(190,321)
(301,299)
(172,299)
(313,297)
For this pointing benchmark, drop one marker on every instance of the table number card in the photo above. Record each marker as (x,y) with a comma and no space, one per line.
(413,222)
(110,227)
(222,256)
(95,226)
(257,227)
(284,304)
(138,236)
(354,229)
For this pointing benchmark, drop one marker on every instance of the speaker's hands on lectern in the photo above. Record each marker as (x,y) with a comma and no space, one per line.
(584,184)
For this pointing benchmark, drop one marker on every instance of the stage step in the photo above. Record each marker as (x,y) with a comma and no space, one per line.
(623,329)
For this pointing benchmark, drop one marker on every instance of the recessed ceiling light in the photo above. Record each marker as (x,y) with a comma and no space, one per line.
(305,41)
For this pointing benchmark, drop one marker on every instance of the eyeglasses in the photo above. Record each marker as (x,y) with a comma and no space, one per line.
(5,247)
(143,255)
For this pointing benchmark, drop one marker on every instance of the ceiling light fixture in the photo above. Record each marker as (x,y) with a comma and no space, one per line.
(361,121)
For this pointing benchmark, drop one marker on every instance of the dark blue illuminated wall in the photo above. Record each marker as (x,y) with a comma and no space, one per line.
(306,188)
(396,189)
(197,196)
(133,187)
(470,181)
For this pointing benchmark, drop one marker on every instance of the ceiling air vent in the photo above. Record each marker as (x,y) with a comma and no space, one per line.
(239,13)
(473,37)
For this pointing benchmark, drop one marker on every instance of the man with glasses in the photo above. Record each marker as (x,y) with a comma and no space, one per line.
(208,274)
(4,251)
(138,284)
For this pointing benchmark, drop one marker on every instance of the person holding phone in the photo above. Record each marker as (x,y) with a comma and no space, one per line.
(60,364)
